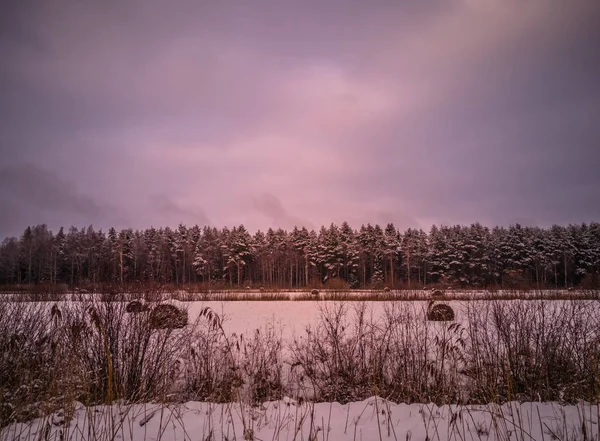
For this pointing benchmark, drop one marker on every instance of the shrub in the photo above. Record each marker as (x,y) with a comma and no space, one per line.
(337,284)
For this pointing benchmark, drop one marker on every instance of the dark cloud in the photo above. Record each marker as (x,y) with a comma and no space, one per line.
(30,194)
(44,190)
(167,208)
(271,207)
(406,112)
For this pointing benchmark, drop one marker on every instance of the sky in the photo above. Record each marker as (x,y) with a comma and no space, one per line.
(280,113)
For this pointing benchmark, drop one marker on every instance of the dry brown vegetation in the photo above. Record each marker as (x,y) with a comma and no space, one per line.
(95,352)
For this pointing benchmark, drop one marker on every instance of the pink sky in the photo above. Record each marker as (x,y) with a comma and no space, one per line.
(299,113)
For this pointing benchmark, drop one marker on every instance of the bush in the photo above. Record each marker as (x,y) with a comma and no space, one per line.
(92,352)
(96,352)
(337,284)
(225,369)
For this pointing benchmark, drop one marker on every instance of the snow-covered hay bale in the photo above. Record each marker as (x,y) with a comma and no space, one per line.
(168,317)
(440,313)
(315,292)
(437,293)
(386,289)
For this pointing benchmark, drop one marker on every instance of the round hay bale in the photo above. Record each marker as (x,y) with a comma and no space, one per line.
(440,313)
(437,293)
(248,288)
(315,292)
(135,307)
(261,289)
(168,317)
(386,289)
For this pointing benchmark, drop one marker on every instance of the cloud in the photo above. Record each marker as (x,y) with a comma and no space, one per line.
(406,112)
(44,190)
(30,194)
(168,208)
(271,207)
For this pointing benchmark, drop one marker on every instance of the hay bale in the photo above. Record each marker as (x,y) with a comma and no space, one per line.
(315,292)
(440,313)
(168,317)
(386,289)
(261,289)
(436,293)
(248,288)
(135,307)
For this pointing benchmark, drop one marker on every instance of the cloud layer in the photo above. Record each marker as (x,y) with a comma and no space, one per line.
(148,113)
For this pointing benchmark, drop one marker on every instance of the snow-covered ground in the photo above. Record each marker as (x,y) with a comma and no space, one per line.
(371,419)
(291,319)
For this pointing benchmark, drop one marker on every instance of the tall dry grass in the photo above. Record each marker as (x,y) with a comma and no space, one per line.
(93,352)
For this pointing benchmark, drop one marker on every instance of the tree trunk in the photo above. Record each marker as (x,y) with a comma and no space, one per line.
(183,270)
(408,268)
(392,269)
(306,269)
(565,259)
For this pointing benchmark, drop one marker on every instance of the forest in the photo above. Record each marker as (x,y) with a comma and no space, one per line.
(337,257)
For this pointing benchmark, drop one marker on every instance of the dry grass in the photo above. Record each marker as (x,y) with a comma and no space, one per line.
(110,293)
(95,352)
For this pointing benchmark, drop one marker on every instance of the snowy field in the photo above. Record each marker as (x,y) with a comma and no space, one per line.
(290,319)
(321,353)
(371,419)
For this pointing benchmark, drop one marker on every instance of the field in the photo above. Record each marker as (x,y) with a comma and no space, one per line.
(516,368)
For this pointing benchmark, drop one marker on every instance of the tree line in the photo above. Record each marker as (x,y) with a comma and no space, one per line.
(337,256)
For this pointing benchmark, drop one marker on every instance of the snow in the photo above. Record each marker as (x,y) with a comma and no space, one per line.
(291,318)
(288,419)
(371,419)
